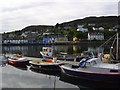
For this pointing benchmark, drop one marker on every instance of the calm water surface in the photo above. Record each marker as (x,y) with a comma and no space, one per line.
(13,77)
(34,51)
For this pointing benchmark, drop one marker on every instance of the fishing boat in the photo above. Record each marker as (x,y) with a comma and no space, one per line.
(94,69)
(46,65)
(20,67)
(48,53)
(18,61)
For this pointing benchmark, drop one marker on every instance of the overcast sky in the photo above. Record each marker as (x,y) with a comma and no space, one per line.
(17,14)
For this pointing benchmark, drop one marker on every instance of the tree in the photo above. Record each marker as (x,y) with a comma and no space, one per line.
(70,35)
(73,28)
(55,29)
(90,28)
(39,37)
(81,35)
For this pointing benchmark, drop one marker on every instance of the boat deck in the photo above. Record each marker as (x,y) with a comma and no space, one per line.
(106,65)
(91,69)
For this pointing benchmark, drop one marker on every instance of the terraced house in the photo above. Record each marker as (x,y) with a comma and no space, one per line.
(95,36)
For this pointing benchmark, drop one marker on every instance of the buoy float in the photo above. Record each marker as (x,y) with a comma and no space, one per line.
(19,56)
(48,60)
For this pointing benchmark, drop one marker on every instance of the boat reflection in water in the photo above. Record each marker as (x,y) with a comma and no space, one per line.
(47,72)
(21,67)
(82,83)
(52,74)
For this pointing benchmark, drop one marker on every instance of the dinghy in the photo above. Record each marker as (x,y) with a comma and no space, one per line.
(18,61)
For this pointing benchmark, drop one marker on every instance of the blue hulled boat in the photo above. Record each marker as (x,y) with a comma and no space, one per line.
(94,69)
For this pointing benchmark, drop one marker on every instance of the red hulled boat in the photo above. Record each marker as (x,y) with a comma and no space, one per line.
(18,61)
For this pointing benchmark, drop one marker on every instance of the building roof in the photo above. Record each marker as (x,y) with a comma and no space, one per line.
(95,33)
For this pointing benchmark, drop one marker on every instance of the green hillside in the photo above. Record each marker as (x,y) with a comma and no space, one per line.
(105,21)
(70,28)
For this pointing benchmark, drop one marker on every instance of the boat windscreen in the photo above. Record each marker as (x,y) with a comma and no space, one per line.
(14,58)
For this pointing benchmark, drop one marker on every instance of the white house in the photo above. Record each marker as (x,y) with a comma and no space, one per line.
(67,27)
(99,28)
(23,35)
(80,28)
(91,24)
(11,35)
(114,28)
(97,36)
(46,33)
(15,41)
(111,29)
(34,32)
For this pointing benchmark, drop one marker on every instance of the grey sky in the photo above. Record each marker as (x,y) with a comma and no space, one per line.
(17,14)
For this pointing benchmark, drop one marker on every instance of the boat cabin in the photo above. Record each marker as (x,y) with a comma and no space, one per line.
(48,51)
(93,61)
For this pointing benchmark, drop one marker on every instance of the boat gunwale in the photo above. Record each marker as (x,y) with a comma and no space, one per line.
(75,70)
(13,59)
(42,63)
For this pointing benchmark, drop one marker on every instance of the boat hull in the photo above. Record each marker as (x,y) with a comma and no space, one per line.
(46,67)
(112,78)
(46,71)
(61,59)
(18,63)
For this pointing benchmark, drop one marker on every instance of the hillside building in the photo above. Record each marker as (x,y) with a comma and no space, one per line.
(98,28)
(14,41)
(80,28)
(56,38)
(91,24)
(96,36)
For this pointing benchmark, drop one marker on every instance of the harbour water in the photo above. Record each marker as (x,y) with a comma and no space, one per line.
(34,50)
(26,77)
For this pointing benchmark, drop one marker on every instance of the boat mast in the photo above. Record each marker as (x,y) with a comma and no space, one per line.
(117,47)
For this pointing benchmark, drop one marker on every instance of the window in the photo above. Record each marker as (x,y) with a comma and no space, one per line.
(113,70)
(93,63)
(50,50)
(88,64)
